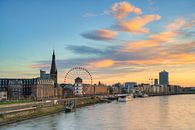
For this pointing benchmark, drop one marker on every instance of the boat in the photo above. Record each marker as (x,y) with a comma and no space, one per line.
(106,100)
(139,93)
(69,108)
(124,97)
(145,95)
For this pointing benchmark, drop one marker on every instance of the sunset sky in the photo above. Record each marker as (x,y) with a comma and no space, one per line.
(115,40)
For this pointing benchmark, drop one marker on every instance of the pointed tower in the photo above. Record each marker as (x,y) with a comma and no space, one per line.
(53,71)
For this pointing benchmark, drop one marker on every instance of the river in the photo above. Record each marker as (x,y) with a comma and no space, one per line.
(175,112)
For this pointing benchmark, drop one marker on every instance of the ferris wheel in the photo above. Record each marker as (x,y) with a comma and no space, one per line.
(76,72)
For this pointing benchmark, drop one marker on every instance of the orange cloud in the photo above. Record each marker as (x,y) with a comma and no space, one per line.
(185,57)
(39,66)
(171,59)
(163,37)
(131,46)
(122,9)
(136,25)
(102,63)
(106,34)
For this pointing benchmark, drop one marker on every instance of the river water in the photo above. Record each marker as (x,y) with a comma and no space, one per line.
(153,113)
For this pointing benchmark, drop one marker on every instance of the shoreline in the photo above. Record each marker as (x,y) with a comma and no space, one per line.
(45,111)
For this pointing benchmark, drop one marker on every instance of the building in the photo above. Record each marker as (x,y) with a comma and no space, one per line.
(27,85)
(129,86)
(3,90)
(88,89)
(67,90)
(34,88)
(3,95)
(58,91)
(155,81)
(101,89)
(116,88)
(14,88)
(78,86)
(43,89)
(164,78)
(44,75)
(53,71)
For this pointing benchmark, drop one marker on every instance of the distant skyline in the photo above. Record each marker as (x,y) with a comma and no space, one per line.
(115,40)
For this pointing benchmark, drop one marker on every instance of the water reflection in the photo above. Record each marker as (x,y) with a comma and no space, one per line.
(166,112)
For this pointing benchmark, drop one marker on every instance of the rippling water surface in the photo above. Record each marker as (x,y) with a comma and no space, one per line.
(154,113)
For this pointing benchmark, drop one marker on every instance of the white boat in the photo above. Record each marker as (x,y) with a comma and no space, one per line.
(124,98)
(145,95)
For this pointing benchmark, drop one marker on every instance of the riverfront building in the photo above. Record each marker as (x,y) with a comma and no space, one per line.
(67,90)
(35,88)
(164,78)
(3,95)
(43,89)
(116,88)
(130,86)
(155,81)
(78,86)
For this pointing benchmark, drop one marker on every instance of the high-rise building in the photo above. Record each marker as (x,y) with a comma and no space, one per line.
(163,78)
(53,71)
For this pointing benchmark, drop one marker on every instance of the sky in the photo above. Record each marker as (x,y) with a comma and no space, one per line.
(116,41)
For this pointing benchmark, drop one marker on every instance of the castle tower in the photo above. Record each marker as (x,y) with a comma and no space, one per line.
(53,71)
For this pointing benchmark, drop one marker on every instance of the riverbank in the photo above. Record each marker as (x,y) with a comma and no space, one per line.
(33,111)
(159,112)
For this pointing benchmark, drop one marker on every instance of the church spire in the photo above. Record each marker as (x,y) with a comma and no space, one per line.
(53,70)
(53,64)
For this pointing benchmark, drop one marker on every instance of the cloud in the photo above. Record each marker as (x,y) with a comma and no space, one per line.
(121,10)
(181,48)
(84,49)
(131,56)
(150,2)
(89,15)
(35,66)
(107,12)
(109,52)
(154,41)
(102,34)
(102,63)
(163,37)
(181,26)
(172,31)
(176,24)
(190,24)
(136,25)
(118,63)
(134,46)
(64,64)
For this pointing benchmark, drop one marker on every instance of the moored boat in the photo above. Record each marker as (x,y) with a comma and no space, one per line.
(124,97)
(69,107)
